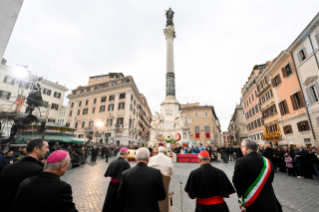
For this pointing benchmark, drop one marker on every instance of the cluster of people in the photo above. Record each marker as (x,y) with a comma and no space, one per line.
(298,161)
(141,187)
(8,156)
(218,153)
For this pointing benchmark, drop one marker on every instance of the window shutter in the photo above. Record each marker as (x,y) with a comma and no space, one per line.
(271,110)
(257,88)
(260,101)
(286,106)
(290,66)
(5,79)
(279,79)
(13,81)
(309,96)
(317,38)
(275,109)
(280,108)
(307,125)
(265,80)
(298,125)
(284,129)
(305,52)
(294,106)
(273,82)
(262,121)
(256,123)
(290,128)
(301,98)
(299,58)
(284,72)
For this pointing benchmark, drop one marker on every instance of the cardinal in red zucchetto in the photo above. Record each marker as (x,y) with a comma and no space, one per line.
(209,186)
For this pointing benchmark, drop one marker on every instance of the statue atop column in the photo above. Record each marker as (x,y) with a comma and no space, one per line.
(169,17)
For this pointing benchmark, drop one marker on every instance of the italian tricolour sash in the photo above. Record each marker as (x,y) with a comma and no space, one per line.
(253,191)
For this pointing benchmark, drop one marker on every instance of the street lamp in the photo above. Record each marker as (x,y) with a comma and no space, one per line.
(98,125)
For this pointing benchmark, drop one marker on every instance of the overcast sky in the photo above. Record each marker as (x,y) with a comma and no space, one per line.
(217,44)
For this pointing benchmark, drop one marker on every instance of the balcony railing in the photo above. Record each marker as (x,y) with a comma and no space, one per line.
(118,126)
(88,129)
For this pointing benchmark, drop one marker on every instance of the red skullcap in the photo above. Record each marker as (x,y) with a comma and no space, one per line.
(57,156)
(204,153)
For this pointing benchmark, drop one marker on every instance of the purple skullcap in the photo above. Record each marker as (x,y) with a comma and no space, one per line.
(57,156)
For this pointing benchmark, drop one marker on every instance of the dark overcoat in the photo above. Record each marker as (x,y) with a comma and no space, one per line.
(141,188)
(247,170)
(45,192)
(11,177)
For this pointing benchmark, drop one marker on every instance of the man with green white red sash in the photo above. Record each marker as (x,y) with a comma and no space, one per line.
(253,177)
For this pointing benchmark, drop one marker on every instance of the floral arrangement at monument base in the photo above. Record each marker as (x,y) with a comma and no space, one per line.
(169,138)
(160,137)
(177,136)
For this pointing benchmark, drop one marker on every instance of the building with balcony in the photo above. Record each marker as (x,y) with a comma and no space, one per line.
(203,123)
(237,126)
(13,87)
(226,138)
(251,106)
(112,107)
(305,58)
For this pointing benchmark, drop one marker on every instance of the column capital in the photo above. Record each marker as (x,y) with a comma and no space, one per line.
(169,32)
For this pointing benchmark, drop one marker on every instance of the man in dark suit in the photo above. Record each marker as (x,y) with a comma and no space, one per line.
(141,187)
(261,197)
(13,174)
(46,192)
(305,162)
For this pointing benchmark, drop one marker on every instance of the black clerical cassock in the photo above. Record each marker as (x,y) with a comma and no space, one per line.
(209,185)
(114,171)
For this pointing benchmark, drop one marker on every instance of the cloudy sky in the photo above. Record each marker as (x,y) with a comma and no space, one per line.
(217,44)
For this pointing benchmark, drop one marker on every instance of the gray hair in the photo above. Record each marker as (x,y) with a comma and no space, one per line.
(203,158)
(57,165)
(142,154)
(250,144)
(123,153)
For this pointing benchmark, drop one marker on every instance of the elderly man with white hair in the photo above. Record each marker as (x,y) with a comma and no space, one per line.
(162,162)
(141,187)
(46,192)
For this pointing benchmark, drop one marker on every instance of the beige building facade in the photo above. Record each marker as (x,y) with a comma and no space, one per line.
(112,107)
(203,123)
(226,138)
(237,126)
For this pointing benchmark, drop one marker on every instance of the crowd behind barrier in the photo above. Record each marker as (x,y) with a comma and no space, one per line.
(79,154)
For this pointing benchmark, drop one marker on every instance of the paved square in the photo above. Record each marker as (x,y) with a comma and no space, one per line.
(89,188)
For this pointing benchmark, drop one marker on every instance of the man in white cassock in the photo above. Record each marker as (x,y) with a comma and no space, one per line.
(162,162)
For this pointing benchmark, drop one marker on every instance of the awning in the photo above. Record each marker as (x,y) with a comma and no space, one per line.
(52,138)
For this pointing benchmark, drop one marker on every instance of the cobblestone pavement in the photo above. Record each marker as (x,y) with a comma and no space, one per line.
(90,186)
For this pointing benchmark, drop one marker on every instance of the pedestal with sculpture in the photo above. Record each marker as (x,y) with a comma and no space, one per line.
(171,125)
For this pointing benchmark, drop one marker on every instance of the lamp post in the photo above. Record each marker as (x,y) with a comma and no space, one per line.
(98,124)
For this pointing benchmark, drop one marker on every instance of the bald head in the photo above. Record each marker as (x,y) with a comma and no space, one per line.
(142,154)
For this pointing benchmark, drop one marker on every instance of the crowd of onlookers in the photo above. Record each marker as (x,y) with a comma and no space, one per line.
(298,161)
(78,153)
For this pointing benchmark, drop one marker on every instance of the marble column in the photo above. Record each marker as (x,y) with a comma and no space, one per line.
(169,32)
